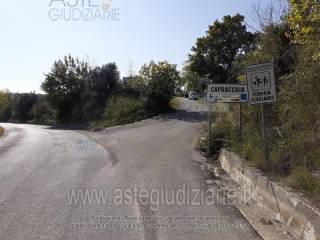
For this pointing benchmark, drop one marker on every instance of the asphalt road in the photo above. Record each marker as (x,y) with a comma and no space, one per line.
(144,172)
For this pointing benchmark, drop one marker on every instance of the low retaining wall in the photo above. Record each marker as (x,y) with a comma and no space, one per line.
(302,220)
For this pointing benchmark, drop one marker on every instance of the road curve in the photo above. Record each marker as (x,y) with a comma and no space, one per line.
(43,171)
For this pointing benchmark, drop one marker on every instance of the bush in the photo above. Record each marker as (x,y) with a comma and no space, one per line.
(42,113)
(159,85)
(78,92)
(299,112)
(224,133)
(302,180)
(122,110)
(23,105)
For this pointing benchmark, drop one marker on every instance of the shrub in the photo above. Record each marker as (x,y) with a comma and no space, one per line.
(302,180)
(299,112)
(23,106)
(123,110)
(78,92)
(224,133)
(42,113)
(159,83)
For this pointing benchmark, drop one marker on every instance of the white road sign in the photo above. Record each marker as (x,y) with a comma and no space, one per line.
(261,85)
(227,93)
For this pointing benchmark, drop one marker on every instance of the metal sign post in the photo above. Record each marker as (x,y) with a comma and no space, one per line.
(209,129)
(225,93)
(263,131)
(240,121)
(262,89)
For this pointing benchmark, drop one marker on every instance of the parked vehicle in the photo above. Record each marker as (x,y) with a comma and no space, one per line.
(194,96)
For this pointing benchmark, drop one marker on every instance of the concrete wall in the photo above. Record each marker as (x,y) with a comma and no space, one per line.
(302,219)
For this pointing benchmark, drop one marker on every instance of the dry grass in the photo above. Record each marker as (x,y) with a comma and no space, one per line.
(1,131)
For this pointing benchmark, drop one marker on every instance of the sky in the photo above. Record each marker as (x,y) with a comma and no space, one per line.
(35,33)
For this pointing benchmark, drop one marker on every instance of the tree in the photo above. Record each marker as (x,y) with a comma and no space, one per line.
(64,85)
(78,92)
(42,112)
(299,93)
(268,13)
(304,20)
(138,85)
(192,79)
(215,54)
(160,80)
(299,102)
(100,84)
(103,81)
(274,45)
(24,106)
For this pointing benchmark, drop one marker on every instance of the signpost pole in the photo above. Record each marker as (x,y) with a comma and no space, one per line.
(262,89)
(240,120)
(264,135)
(209,129)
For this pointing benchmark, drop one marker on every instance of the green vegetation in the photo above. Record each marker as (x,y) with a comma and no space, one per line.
(23,106)
(77,93)
(302,180)
(160,81)
(304,22)
(293,123)
(214,55)
(42,112)
(122,110)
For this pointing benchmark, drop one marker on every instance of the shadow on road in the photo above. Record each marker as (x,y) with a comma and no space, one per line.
(182,115)
(70,127)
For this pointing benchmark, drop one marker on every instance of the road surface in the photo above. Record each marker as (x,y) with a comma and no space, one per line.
(130,182)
